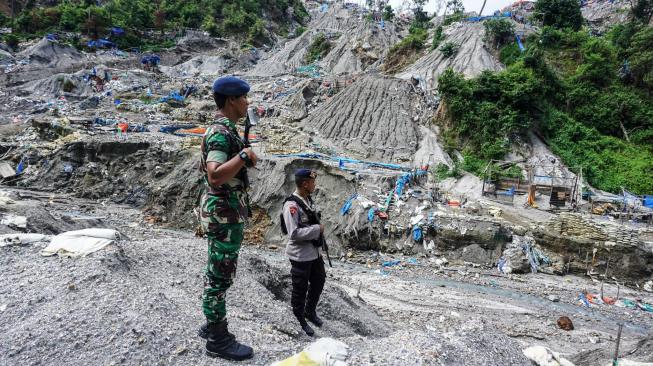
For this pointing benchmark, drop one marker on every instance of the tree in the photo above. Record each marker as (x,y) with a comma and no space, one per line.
(641,57)
(388,13)
(455,6)
(160,19)
(642,10)
(559,14)
(498,31)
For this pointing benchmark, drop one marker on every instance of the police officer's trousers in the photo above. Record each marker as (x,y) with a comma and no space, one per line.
(307,284)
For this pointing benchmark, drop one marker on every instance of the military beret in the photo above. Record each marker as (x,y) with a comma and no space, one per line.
(231,86)
(305,173)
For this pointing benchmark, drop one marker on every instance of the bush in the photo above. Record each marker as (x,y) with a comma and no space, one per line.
(559,14)
(68,86)
(449,49)
(509,54)
(318,49)
(388,13)
(438,36)
(299,30)
(12,40)
(499,31)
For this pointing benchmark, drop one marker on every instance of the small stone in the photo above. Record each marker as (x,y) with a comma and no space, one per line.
(553,298)
(181,350)
(565,323)
(71,286)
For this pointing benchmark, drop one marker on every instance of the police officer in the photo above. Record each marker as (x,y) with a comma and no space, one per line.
(224,208)
(301,219)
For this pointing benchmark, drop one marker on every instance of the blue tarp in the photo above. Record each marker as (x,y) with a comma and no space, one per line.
(101,43)
(173,128)
(152,60)
(173,96)
(117,32)
(521,45)
(345,208)
(417,233)
(648,201)
(370,214)
(51,37)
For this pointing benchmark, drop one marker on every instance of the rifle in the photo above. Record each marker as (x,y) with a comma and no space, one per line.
(251,120)
(325,248)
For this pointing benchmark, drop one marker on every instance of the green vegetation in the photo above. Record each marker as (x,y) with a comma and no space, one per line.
(442,171)
(138,17)
(499,32)
(68,86)
(388,13)
(589,97)
(449,49)
(559,14)
(438,37)
(300,30)
(318,48)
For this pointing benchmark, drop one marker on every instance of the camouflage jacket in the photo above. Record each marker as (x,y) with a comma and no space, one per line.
(226,204)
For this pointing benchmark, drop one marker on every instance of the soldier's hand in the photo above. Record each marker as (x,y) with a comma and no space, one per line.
(252,155)
(321,228)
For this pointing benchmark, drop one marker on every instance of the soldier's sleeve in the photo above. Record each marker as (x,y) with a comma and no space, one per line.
(217,148)
(297,233)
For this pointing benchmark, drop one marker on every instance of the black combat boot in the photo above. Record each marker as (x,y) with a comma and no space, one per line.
(221,343)
(312,317)
(203,332)
(307,328)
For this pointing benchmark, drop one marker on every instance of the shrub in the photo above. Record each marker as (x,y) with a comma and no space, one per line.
(68,86)
(499,31)
(438,36)
(449,49)
(318,49)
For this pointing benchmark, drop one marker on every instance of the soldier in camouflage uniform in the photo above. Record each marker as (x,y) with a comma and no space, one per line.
(224,210)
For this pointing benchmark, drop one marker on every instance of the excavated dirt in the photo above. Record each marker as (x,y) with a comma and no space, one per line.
(375,118)
(358,44)
(471,59)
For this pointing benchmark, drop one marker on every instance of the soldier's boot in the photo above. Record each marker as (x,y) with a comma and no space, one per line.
(203,332)
(311,316)
(221,343)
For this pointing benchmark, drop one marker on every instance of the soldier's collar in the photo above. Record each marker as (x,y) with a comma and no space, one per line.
(222,119)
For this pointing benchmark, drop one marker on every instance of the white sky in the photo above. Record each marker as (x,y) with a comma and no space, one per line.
(470,5)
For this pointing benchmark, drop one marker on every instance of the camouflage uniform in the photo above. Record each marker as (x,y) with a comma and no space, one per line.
(223,215)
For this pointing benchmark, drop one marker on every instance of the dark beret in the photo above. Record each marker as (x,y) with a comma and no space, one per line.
(231,86)
(305,173)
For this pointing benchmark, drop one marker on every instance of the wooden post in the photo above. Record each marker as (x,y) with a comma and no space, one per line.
(615,359)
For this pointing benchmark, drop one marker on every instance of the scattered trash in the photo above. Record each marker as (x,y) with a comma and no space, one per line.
(323,352)
(80,242)
(543,356)
(6,170)
(565,323)
(20,239)
(14,220)
(553,298)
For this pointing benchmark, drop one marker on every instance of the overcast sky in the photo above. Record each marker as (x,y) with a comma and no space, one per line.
(470,5)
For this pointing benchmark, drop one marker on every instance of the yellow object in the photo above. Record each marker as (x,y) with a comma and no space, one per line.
(300,359)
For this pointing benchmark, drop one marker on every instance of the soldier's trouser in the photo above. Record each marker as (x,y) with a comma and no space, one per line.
(224,245)
(306,277)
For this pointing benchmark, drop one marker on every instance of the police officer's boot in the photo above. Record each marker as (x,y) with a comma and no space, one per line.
(221,343)
(311,316)
(306,328)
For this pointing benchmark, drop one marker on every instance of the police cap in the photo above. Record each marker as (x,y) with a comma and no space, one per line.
(302,174)
(230,86)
